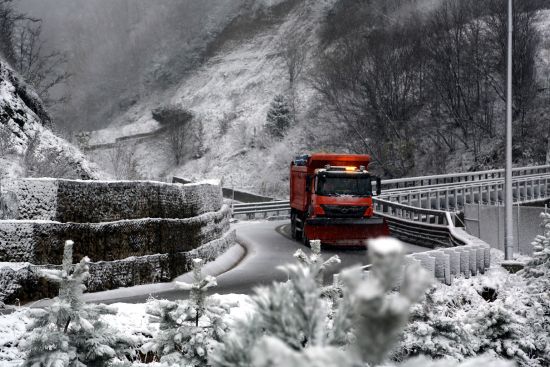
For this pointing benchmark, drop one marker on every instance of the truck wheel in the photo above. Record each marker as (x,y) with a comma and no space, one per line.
(305,240)
(293,225)
(297,230)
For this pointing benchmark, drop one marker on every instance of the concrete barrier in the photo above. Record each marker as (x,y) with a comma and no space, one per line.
(446,263)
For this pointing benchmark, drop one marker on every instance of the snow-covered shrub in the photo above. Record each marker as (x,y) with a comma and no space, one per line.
(188,328)
(439,325)
(460,321)
(290,324)
(70,332)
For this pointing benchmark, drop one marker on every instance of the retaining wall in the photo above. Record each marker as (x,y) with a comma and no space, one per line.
(133,232)
(23,282)
(41,242)
(104,201)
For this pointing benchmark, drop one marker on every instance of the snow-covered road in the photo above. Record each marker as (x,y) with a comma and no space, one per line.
(265,246)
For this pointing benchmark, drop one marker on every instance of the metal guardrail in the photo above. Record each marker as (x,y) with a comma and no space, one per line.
(433,221)
(525,189)
(262,207)
(424,227)
(450,178)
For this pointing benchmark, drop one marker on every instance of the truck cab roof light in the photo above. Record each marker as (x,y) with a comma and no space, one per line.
(351,168)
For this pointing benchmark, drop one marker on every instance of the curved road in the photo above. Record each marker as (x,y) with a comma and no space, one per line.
(267,245)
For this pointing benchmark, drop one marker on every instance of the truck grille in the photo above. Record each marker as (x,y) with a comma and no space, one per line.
(344,211)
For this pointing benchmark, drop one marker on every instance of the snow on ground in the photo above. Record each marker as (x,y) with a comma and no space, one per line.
(131,319)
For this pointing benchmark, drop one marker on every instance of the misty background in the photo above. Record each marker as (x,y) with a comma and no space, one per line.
(118,52)
(235,89)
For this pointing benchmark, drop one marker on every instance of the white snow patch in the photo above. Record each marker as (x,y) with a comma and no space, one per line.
(130,319)
(213,182)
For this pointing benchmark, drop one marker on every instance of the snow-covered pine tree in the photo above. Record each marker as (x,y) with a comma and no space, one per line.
(537,269)
(278,117)
(70,332)
(198,288)
(289,323)
(537,275)
(188,328)
(292,312)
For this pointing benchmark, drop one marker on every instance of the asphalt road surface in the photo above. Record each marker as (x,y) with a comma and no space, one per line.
(267,245)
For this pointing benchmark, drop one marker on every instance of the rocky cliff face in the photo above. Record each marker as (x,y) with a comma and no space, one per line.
(28,148)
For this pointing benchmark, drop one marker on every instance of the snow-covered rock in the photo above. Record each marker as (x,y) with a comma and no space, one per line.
(24,122)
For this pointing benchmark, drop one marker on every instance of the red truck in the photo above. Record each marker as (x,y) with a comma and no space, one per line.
(331,199)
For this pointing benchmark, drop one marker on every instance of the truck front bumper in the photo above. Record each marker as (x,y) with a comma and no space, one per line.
(324,221)
(345,231)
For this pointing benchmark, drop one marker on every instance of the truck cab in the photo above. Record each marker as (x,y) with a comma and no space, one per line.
(331,199)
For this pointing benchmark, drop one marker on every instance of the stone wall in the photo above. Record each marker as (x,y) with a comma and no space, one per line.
(23,282)
(133,232)
(41,242)
(105,201)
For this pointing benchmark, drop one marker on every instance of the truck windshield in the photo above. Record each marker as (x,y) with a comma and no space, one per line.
(339,186)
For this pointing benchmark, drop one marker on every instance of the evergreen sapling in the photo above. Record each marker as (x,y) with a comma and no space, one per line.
(188,329)
(70,332)
(278,117)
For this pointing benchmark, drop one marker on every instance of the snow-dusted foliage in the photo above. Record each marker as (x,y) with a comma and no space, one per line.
(290,324)
(187,329)
(502,314)
(70,332)
(537,275)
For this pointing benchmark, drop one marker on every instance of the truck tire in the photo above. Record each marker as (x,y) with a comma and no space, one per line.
(304,238)
(293,225)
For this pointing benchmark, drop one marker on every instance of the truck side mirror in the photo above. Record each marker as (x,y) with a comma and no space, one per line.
(308,183)
(378,186)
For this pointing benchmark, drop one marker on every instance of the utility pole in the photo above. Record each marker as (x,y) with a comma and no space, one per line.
(508,202)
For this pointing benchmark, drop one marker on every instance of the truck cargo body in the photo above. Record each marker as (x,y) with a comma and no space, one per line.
(331,200)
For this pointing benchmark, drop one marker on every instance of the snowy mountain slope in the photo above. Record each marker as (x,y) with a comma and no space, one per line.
(237,84)
(28,146)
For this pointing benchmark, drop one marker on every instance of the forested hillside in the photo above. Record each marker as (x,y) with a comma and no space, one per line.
(235,89)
